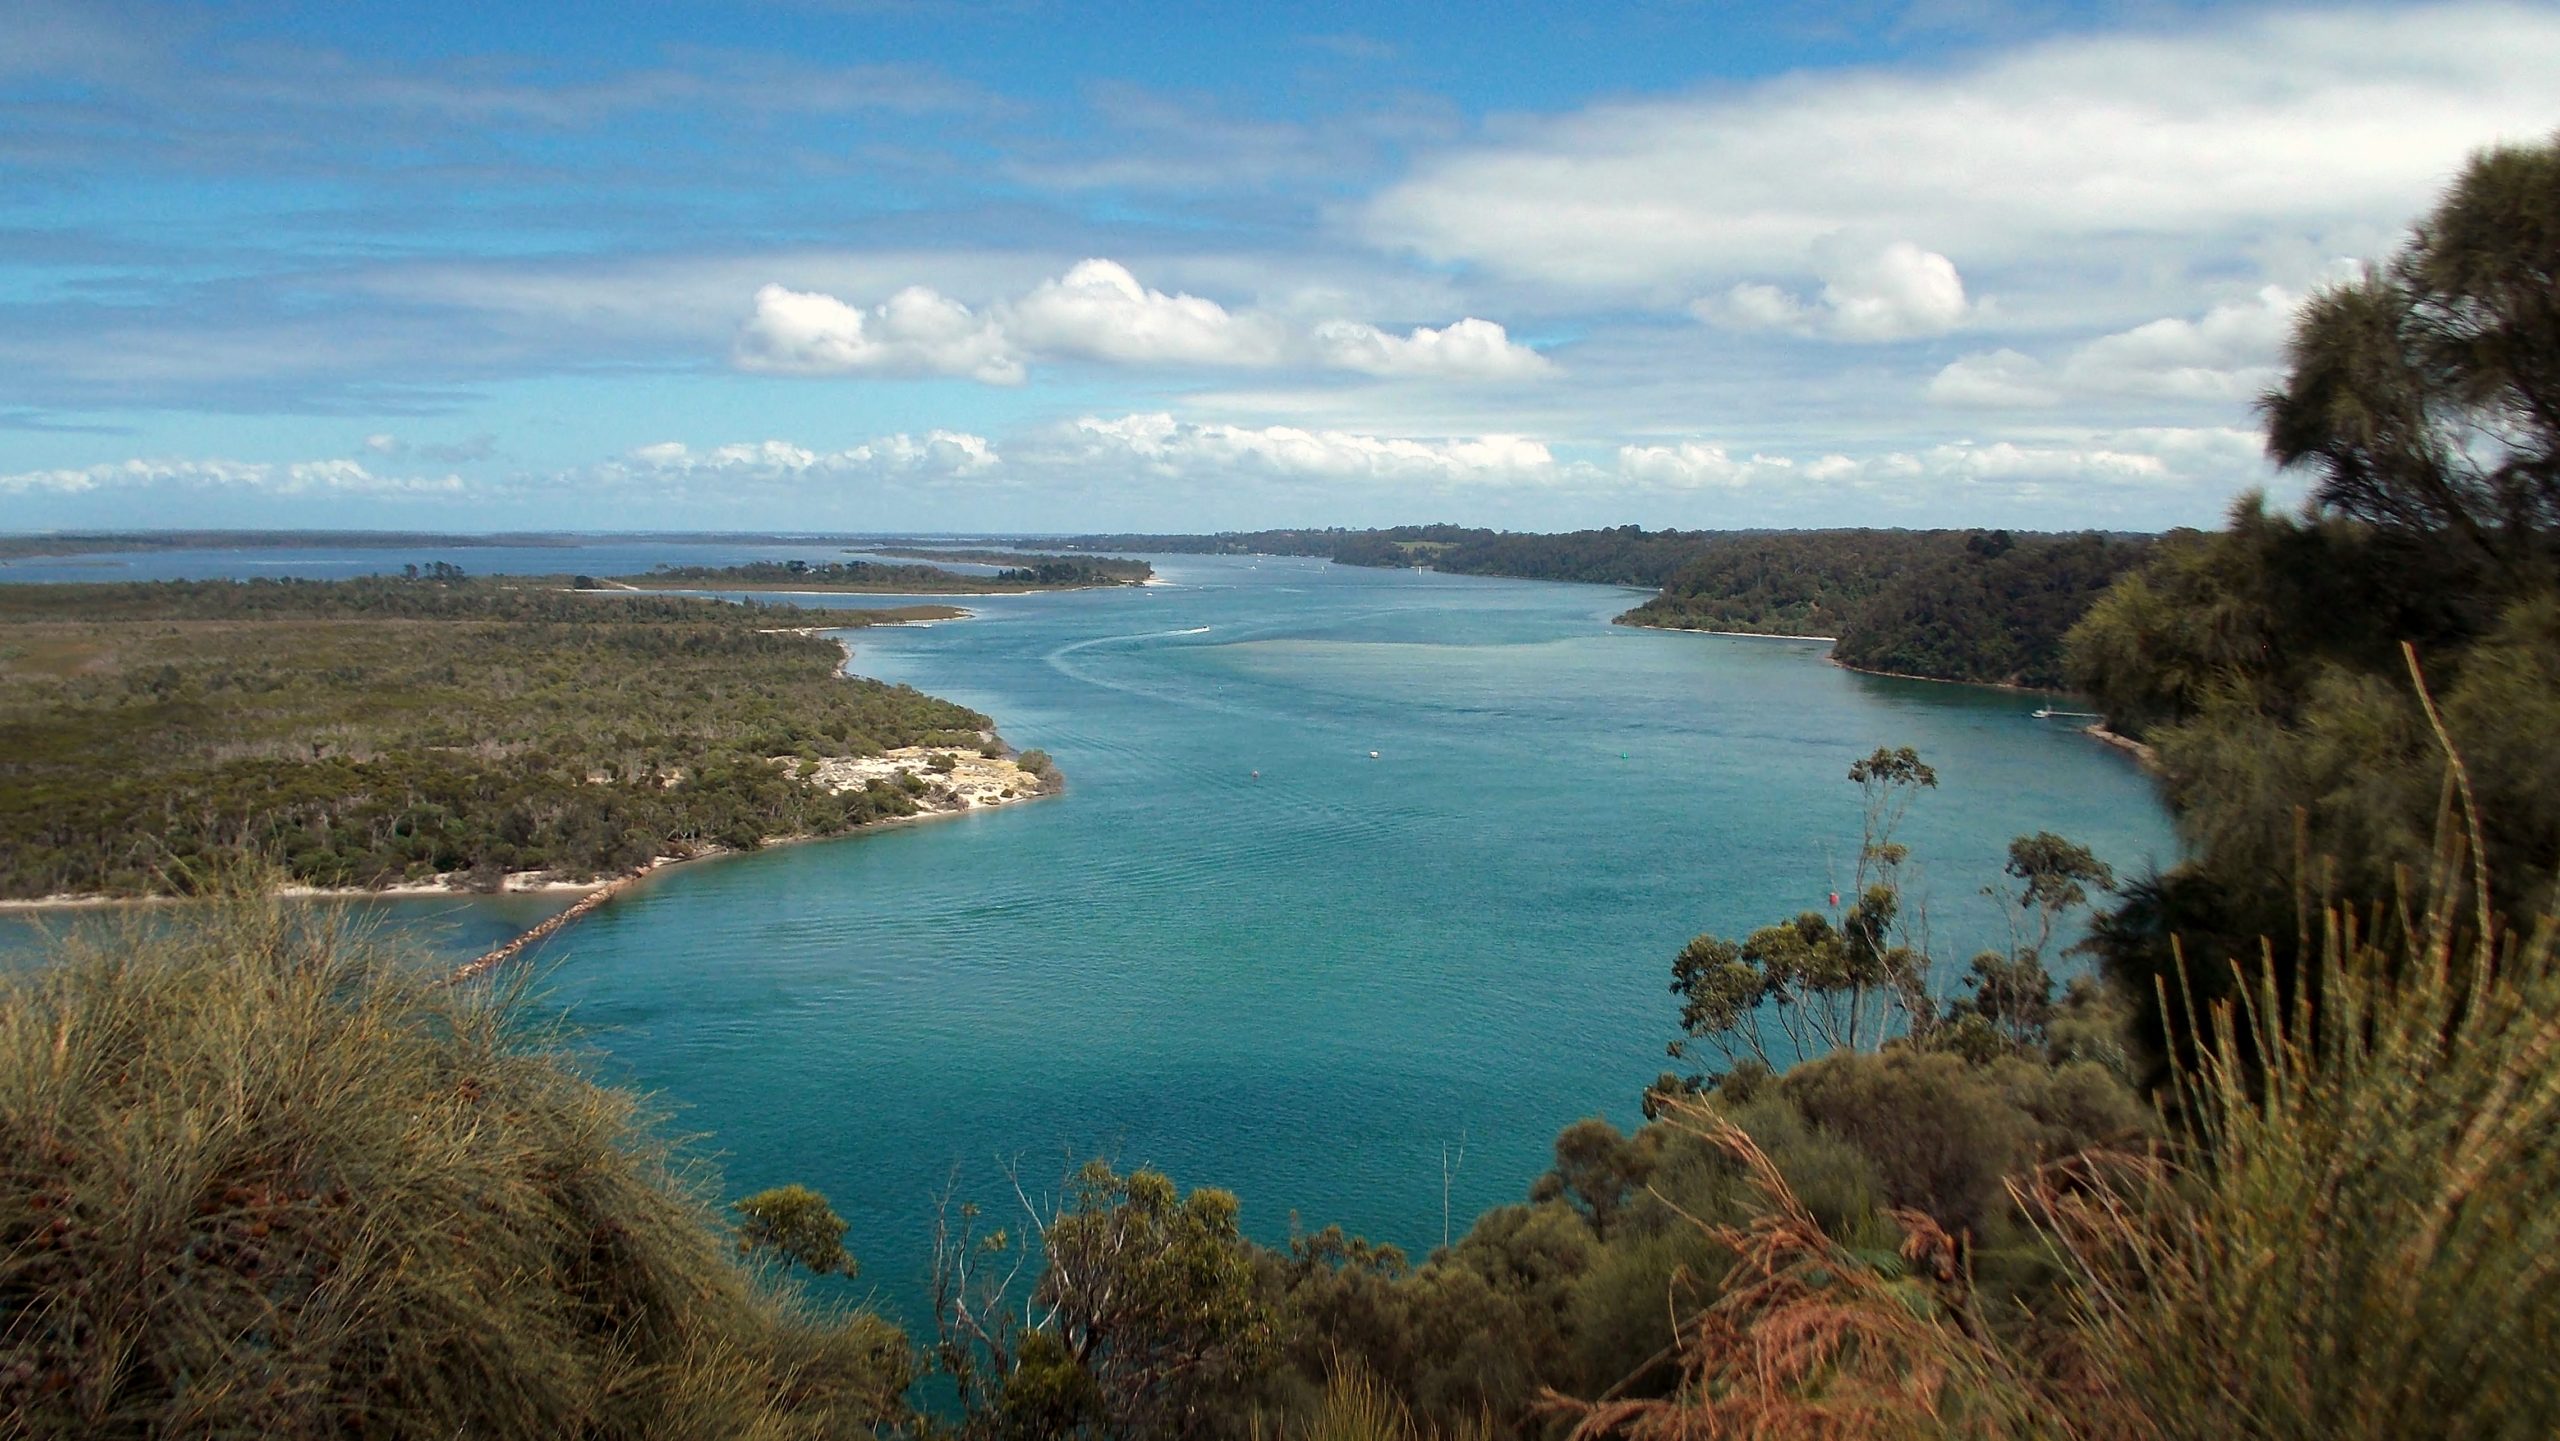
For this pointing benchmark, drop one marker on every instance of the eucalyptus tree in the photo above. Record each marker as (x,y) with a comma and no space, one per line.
(1826,984)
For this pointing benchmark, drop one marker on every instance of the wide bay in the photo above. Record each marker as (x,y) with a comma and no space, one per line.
(1312,983)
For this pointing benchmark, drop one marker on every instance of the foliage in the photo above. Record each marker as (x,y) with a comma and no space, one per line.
(796,1224)
(2282,669)
(368,732)
(259,1176)
(2359,1235)
(2425,395)
(1143,1322)
(2351,1237)
(1844,985)
(1994,609)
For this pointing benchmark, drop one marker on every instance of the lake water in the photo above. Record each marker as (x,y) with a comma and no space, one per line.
(1304,984)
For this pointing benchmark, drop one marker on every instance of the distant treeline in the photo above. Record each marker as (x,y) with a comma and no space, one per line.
(372,731)
(95,542)
(1105,567)
(1964,605)
(1060,572)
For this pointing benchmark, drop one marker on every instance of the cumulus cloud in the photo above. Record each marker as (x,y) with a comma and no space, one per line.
(2231,353)
(2263,131)
(1167,448)
(1695,465)
(1900,292)
(914,332)
(1098,310)
(301,477)
(1468,349)
(2002,379)
(2160,457)
(2234,351)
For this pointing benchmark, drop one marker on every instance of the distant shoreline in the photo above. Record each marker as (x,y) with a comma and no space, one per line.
(751,588)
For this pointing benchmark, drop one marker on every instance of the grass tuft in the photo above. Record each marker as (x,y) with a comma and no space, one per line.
(260,1176)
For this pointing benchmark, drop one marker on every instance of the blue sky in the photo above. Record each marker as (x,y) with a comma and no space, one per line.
(900,264)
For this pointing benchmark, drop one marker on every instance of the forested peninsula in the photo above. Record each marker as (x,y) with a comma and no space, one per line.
(366,733)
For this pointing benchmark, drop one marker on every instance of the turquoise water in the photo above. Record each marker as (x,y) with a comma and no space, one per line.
(1301,985)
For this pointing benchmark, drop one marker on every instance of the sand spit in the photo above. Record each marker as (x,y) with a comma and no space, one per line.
(974,782)
(955,780)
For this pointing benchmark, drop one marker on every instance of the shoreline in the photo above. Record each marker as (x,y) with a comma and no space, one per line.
(1702,630)
(2010,687)
(2143,754)
(518,883)
(708,589)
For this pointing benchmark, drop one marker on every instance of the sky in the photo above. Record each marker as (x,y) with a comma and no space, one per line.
(1022,266)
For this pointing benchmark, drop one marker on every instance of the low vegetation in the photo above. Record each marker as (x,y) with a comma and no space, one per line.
(2284,1170)
(367,732)
(261,1178)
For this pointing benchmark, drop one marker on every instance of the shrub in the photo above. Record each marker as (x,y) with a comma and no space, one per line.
(259,1177)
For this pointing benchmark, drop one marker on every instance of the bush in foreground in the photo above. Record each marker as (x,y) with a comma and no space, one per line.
(256,1178)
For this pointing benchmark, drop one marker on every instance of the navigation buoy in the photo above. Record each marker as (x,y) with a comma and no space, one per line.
(1835,900)
(1257,775)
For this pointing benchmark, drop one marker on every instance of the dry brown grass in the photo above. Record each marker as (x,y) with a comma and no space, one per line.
(262,1178)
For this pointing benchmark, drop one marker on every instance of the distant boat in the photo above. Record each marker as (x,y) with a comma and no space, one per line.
(2049,713)
(1373,755)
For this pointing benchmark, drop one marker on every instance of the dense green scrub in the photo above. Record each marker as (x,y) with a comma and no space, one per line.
(1988,607)
(366,732)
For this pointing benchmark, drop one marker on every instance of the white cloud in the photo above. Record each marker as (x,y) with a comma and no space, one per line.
(2230,354)
(2001,379)
(2234,351)
(1167,448)
(301,477)
(1900,292)
(1469,349)
(2109,155)
(914,332)
(1098,310)
(2160,458)
(1693,465)
(935,455)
